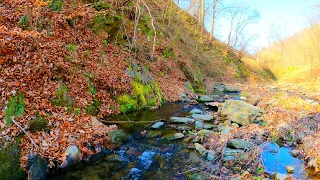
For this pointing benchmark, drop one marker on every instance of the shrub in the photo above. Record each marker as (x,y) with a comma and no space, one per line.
(15,108)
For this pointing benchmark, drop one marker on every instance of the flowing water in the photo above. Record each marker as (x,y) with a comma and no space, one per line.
(148,156)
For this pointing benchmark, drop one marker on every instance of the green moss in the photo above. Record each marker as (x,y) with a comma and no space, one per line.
(101,5)
(10,162)
(38,124)
(117,136)
(15,108)
(62,97)
(144,96)
(127,103)
(56,5)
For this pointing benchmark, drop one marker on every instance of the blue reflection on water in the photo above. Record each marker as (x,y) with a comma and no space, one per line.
(276,159)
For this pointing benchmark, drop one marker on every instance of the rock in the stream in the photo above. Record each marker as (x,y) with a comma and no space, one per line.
(185,98)
(200,148)
(207,126)
(225,130)
(279,176)
(183,128)
(202,117)
(241,112)
(290,169)
(117,136)
(205,99)
(72,158)
(199,125)
(295,153)
(175,136)
(231,89)
(157,125)
(240,144)
(195,111)
(182,120)
(38,169)
(211,155)
(205,132)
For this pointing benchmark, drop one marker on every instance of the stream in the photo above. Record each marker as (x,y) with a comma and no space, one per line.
(152,156)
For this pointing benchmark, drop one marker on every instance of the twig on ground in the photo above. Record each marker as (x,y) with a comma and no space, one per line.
(25,132)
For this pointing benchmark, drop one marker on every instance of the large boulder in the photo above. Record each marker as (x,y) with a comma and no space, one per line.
(38,169)
(241,112)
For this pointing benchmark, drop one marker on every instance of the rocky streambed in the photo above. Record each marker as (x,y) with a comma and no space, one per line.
(191,140)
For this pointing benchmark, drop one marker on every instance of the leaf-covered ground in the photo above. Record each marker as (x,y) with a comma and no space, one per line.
(65,72)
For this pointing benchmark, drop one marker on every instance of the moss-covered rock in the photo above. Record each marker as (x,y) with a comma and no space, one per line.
(62,97)
(9,162)
(117,136)
(38,124)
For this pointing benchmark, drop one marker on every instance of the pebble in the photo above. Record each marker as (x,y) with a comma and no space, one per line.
(295,153)
(290,169)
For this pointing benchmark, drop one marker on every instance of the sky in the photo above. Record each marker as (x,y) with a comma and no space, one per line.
(278,19)
(286,16)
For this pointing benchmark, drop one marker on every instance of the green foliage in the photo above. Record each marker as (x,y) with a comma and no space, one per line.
(72,47)
(168,53)
(77,111)
(145,26)
(38,124)
(260,170)
(56,5)
(15,108)
(101,22)
(127,103)
(105,43)
(87,52)
(94,108)
(10,162)
(245,94)
(62,97)
(91,88)
(24,22)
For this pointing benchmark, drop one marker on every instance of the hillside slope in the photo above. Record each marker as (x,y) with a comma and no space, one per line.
(294,59)
(63,62)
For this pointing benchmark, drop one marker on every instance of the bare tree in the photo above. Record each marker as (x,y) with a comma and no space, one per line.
(239,17)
